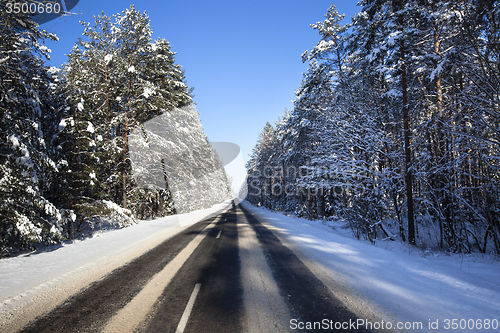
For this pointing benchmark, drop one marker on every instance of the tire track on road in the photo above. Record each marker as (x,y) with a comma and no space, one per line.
(215,265)
(265,309)
(89,310)
(307,298)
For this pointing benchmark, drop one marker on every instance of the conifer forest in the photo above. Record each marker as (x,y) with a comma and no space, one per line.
(65,157)
(395,127)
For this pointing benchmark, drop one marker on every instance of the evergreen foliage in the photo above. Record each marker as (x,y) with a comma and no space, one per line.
(396,122)
(64,132)
(25,162)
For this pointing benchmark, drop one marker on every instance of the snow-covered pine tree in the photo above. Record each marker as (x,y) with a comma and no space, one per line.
(124,80)
(26,217)
(321,86)
(260,169)
(133,38)
(171,154)
(151,80)
(474,123)
(396,51)
(164,90)
(331,49)
(347,158)
(304,152)
(165,86)
(87,138)
(284,196)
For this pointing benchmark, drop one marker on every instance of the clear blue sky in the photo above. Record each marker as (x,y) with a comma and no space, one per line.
(242,57)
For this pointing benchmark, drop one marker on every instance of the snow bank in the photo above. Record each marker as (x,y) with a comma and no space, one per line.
(40,280)
(395,283)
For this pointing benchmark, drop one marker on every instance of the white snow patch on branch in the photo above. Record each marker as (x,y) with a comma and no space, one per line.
(14,140)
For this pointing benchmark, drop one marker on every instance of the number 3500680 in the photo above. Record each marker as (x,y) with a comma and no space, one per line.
(36,7)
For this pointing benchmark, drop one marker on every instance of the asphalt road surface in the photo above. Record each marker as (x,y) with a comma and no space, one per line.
(229,273)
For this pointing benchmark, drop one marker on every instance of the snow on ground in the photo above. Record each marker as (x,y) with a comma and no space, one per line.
(393,282)
(389,282)
(33,283)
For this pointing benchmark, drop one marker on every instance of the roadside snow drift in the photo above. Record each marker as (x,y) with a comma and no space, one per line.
(33,283)
(397,285)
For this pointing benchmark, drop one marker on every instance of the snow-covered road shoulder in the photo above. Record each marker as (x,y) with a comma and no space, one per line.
(32,284)
(398,287)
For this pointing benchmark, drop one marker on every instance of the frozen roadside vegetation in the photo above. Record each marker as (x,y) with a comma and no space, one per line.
(391,281)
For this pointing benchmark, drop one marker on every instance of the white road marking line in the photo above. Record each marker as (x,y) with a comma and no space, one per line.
(220,232)
(187,310)
(130,317)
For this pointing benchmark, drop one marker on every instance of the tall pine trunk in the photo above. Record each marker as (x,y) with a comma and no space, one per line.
(407,135)
(125,146)
(439,135)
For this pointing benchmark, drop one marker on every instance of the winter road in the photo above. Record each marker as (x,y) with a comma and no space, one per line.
(229,273)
